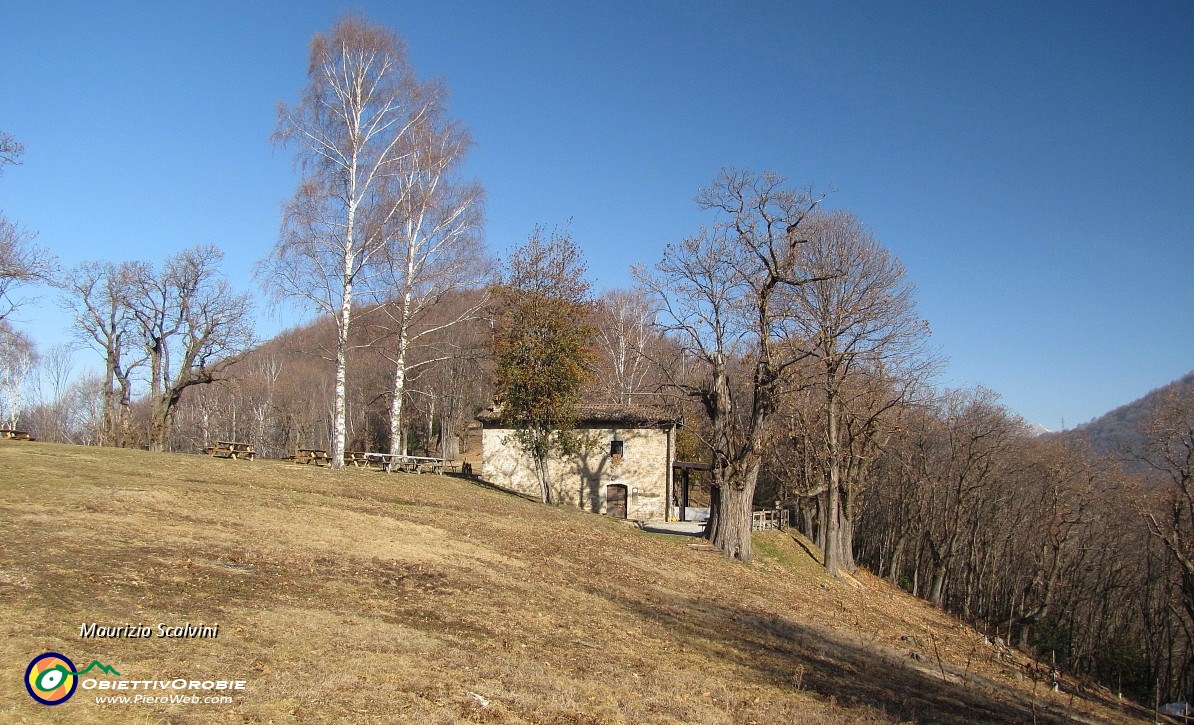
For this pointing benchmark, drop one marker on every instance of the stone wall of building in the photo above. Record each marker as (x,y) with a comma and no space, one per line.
(584,480)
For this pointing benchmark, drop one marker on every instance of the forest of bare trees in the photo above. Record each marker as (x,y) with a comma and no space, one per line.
(783,333)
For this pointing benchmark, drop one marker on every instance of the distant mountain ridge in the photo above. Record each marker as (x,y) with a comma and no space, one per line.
(1124,427)
(1037,429)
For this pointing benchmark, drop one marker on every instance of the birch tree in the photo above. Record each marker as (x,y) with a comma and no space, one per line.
(625,332)
(18,355)
(433,249)
(352,129)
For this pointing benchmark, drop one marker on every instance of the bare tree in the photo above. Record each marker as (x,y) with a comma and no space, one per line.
(192,326)
(1058,492)
(1022,536)
(721,293)
(18,355)
(98,294)
(266,370)
(856,322)
(51,384)
(85,411)
(352,128)
(462,386)
(11,150)
(1169,452)
(960,456)
(21,261)
(433,248)
(58,364)
(625,323)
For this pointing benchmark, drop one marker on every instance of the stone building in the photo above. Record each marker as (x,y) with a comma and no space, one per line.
(624,469)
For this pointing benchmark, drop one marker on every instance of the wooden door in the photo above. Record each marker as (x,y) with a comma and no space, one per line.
(615,500)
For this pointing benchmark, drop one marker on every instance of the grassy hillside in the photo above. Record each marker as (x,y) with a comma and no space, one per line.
(366,597)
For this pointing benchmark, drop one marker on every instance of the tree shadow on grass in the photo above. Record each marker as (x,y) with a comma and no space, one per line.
(829,663)
(482,483)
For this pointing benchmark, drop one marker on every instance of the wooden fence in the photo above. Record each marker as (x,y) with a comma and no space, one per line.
(769,519)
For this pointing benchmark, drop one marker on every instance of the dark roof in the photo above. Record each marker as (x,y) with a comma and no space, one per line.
(632,415)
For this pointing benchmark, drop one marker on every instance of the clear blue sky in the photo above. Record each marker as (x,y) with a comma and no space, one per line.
(1031,163)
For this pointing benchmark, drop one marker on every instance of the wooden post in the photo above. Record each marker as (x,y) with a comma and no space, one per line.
(684,494)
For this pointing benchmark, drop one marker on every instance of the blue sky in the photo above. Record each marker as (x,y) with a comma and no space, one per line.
(1031,163)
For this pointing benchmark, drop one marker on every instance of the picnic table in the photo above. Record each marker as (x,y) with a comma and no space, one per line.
(410,464)
(357,459)
(16,435)
(232,449)
(311,455)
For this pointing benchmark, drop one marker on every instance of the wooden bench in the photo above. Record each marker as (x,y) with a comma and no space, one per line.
(311,455)
(409,465)
(16,435)
(232,449)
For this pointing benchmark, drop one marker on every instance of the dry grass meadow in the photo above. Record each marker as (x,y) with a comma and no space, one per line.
(365,597)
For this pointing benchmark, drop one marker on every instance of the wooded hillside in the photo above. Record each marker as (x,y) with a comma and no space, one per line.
(1123,429)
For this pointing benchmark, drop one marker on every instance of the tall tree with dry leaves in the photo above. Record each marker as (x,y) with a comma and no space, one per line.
(543,346)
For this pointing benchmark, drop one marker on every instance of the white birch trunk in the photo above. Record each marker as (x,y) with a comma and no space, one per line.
(339,426)
(397,437)
(339,417)
(397,442)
